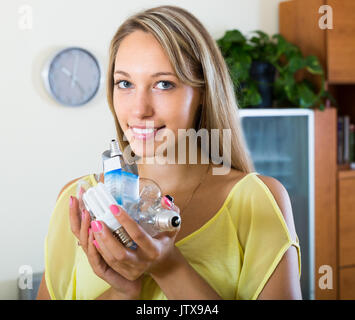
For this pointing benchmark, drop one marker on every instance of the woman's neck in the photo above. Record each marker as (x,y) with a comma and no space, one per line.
(173,178)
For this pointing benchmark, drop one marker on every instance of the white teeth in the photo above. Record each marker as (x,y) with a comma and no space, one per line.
(143,131)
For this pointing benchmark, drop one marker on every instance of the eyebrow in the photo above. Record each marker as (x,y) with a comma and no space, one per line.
(153,75)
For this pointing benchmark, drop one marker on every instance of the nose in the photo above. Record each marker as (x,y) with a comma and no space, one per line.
(142,104)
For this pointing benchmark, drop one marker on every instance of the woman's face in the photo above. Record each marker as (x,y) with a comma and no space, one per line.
(149,99)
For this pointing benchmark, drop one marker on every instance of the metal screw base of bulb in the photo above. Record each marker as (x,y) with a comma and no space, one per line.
(124,238)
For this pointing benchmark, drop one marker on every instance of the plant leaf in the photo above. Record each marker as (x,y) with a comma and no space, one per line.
(296,63)
(262,35)
(249,95)
(234,36)
(313,65)
(306,96)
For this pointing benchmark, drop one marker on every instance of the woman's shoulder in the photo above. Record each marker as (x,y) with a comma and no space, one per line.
(269,185)
(282,199)
(220,189)
(228,182)
(273,185)
(271,189)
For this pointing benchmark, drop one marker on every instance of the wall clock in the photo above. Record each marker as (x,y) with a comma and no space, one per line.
(72,77)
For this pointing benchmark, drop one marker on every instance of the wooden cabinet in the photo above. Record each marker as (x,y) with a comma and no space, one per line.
(335,48)
(347,283)
(346,209)
(334,187)
(325,203)
(340,42)
(346,189)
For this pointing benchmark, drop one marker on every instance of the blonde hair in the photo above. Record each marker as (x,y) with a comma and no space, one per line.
(198,62)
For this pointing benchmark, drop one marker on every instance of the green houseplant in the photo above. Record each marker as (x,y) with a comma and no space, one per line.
(241,53)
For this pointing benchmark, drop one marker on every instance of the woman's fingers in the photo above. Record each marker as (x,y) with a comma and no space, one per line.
(113,252)
(74,217)
(167,202)
(80,199)
(105,253)
(105,272)
(93,255)
(109,247)
(84,229)
(100,239)
(95,259)
(79,222)
(134,230)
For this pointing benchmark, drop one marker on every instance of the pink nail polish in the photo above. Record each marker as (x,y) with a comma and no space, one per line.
(115,210)
(96,244)
(81,191)
(83,215)
(96,226)
(167,202)
(71,202)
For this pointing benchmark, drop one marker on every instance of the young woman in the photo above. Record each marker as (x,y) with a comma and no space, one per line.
(237,238)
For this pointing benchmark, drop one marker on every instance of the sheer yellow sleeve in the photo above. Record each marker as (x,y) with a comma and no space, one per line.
(60,249)
(263,237)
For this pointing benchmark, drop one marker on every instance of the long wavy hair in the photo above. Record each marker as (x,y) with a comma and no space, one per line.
(198,62)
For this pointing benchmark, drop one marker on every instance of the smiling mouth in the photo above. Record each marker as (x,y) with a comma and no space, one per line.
(145,133)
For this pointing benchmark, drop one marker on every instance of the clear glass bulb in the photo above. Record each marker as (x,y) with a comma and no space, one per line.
(150,213)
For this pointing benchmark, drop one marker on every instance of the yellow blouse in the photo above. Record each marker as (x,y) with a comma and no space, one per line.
(236,251)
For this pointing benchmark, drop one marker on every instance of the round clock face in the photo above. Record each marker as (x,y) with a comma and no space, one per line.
(73,77)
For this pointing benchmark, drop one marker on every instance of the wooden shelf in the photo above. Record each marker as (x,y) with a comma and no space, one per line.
(344,174)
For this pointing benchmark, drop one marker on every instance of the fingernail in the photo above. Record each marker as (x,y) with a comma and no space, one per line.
(170,198)
(71,202)
(167,202)
(96,226)
(115,210)
(83,215)
(96,244)
(81,191)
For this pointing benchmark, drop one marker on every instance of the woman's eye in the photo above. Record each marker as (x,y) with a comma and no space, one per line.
(123,84)
(165,85)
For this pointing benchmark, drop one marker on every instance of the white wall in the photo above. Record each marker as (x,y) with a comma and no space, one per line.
(45,145)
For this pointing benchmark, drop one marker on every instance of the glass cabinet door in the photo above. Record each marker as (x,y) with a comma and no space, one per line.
(280,146)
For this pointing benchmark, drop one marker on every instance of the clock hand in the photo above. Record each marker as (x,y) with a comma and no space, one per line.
(66,71)
(73,79)
(79,86)
(74,70)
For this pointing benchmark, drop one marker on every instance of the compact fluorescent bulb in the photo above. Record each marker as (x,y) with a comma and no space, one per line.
(98,201)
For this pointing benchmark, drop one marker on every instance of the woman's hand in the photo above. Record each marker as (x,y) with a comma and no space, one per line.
(121,288)
(153,255)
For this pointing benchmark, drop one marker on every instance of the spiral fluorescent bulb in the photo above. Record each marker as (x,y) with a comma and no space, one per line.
(97,201)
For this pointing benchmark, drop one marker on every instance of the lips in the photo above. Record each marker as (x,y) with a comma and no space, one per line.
(144,133)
